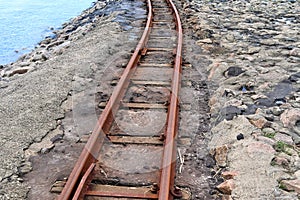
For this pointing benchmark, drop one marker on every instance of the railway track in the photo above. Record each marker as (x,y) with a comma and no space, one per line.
(131,153)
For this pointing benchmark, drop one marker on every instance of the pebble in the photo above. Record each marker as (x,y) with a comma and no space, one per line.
(240,136)
(229,174)
(261,122)
(25,168)
(47,149)
(268,131)
(221,155)
(266,140)
(280,161)
(204,41)
(226,187)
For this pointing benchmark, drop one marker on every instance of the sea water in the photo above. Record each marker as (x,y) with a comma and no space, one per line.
(23,23)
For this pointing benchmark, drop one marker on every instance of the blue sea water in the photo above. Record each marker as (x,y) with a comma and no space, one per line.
(23,23)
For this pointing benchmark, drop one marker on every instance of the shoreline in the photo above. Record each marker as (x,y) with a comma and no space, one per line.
(51,46)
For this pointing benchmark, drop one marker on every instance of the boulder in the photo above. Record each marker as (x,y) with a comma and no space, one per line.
(290,117)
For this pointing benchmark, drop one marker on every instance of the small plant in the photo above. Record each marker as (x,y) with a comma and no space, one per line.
(270,135)
(280,146)
(282,186)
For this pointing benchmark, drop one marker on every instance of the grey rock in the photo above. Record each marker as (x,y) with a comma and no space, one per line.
(277,110)
(268,130)
(290,117)
(233,71)
(284,138)
(24,64)
(37,57)
(266,140)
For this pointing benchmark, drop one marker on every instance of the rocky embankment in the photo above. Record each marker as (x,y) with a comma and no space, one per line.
(254,79)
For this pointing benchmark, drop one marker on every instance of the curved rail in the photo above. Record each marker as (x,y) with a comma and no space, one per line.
(169,154)
(91,150)
(79,176)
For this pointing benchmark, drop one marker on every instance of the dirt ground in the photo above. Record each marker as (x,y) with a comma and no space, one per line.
(240,78)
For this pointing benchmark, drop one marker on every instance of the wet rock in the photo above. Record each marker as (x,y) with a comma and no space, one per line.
(229,174)
(270,118)
(290,117)
(291,185)
(21,70)
(57,138)
(226,187)
(279,101)
(265,102)
(281,90)
(233,71)
(45,41)
(294,77)
(229,112)
(251,109)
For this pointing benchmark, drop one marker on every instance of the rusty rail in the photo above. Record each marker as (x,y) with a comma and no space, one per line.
(169,154)
(91,150)
(79,176)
